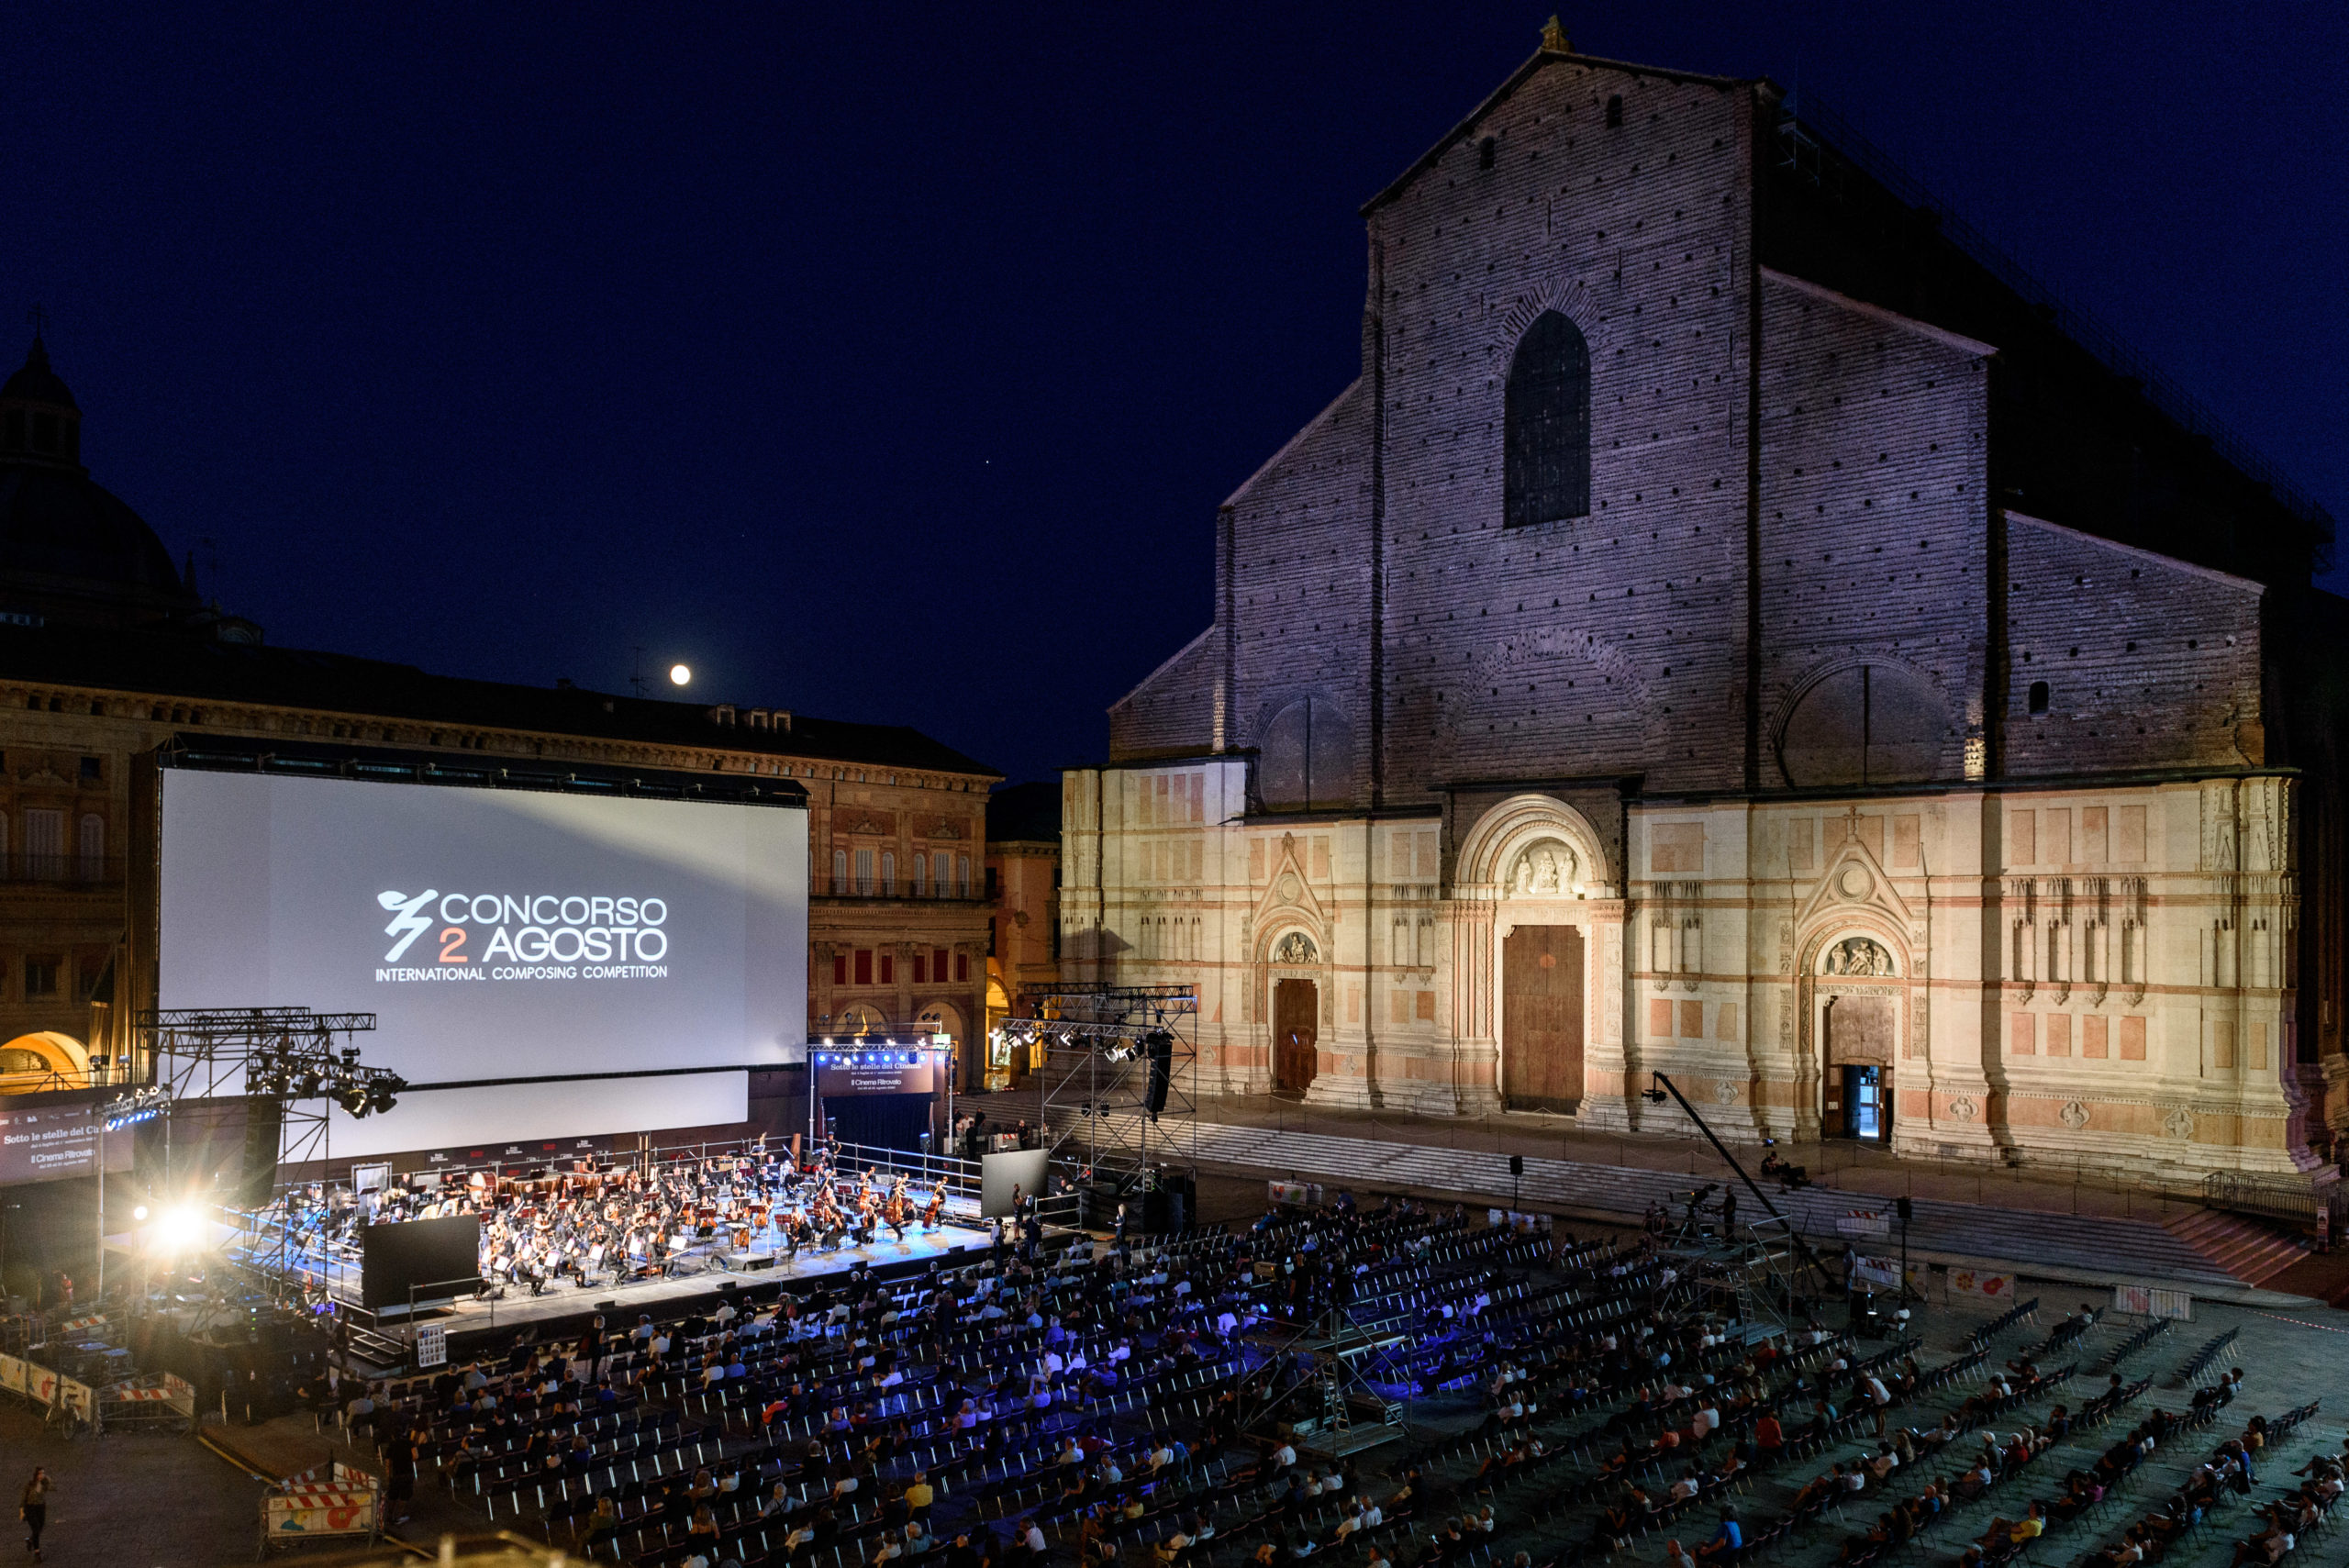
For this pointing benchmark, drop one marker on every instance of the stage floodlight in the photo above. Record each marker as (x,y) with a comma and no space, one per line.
(383,1092)
(178,1230)
(139,1213)
(353,1098)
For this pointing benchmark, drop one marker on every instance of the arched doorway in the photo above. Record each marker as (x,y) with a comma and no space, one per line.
(1857,1023)
(856,1018)
(1296,1025)
(34,1062)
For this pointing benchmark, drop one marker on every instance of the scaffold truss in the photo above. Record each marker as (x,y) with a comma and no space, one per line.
(1115,1087)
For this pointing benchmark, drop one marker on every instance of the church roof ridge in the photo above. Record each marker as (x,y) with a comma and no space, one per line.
(1328,411)
(1541,57)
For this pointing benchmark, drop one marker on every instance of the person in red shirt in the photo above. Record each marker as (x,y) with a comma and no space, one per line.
(1767,1435)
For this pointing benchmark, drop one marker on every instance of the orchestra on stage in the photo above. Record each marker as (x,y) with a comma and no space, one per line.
(618,1223)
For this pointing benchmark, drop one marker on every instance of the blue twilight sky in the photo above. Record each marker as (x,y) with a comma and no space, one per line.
(888,364)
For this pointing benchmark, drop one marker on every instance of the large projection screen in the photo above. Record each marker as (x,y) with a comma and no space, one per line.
(542,965)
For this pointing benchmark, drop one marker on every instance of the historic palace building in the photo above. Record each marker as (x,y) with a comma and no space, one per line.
(1737,625)
(106,652)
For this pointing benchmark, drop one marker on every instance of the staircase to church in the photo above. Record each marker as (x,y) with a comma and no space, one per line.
(2214,1252)
(2252,1251)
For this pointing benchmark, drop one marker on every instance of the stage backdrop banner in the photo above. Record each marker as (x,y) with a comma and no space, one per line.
(542,965)
(47,1137)
(999,1174)
(440,1259)
(843,1073)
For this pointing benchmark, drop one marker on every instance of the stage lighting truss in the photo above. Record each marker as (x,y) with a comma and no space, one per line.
(138,1105)
(1115,1087)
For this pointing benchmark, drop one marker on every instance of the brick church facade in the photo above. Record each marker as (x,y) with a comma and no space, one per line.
(1733,627)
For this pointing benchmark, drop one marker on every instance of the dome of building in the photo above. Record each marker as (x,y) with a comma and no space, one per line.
(71,549)
(36,382)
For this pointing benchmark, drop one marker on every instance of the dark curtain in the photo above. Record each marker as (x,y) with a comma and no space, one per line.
(881,1121)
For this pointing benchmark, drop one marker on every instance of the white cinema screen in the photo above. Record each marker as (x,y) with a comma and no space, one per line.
(540,964)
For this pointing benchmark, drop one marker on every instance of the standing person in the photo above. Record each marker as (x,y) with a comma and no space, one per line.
(34,1508)
(399,1461)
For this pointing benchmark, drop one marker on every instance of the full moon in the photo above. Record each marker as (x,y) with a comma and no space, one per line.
(679,674)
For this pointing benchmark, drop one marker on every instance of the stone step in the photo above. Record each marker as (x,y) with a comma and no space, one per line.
(2091,1244)
(2253,1251)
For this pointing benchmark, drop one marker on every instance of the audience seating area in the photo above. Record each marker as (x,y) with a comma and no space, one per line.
(1564,1403)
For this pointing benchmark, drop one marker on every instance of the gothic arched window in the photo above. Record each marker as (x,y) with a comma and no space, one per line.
(1546,439)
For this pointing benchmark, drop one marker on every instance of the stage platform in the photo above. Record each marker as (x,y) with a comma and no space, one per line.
(566,1303)
(702,1276)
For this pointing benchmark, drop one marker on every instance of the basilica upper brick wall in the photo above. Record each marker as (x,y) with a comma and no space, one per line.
(1296,583)
(1872,535)
(1612,641)
(2120,658)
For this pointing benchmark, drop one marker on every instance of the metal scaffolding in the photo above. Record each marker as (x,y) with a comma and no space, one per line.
(1115,1087)
(276,1060)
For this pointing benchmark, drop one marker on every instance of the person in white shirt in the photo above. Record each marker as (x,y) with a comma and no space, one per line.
(1032,1538)
(1283,1457)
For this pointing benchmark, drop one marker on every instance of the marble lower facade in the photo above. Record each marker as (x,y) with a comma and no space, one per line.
(2004,973)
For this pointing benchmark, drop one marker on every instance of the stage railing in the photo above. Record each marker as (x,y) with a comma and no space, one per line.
(961,1175)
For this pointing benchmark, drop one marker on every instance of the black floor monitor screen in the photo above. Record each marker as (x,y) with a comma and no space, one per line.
(439,1259)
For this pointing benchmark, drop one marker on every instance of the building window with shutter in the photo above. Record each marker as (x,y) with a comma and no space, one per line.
(962,876)
(921,876)
(941,871)
(888,967)
(40,976)
(94,847)
(922,969)
(888,874)
(44,857)
(840,872)
(962,966)
(864,873)
(864,966)
(839,969)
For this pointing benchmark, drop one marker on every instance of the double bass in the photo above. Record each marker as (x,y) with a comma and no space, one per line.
(895,1210)
(936,1207)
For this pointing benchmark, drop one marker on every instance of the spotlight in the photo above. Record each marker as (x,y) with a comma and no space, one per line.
(383,1092)
(353,1097)
(139,1213)
(178,1230)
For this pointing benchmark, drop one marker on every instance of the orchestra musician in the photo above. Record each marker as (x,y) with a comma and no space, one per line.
(895,1210)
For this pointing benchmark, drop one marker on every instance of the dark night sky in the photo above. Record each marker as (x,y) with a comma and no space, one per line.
(892,367)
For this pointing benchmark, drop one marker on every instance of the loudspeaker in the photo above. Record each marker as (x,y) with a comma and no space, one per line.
(1906,1211)
(1155,1206)
(1517,1164)
(257,1170)
(1160,1046)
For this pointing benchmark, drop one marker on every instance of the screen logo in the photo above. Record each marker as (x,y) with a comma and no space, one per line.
(540,936)
(406,925)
